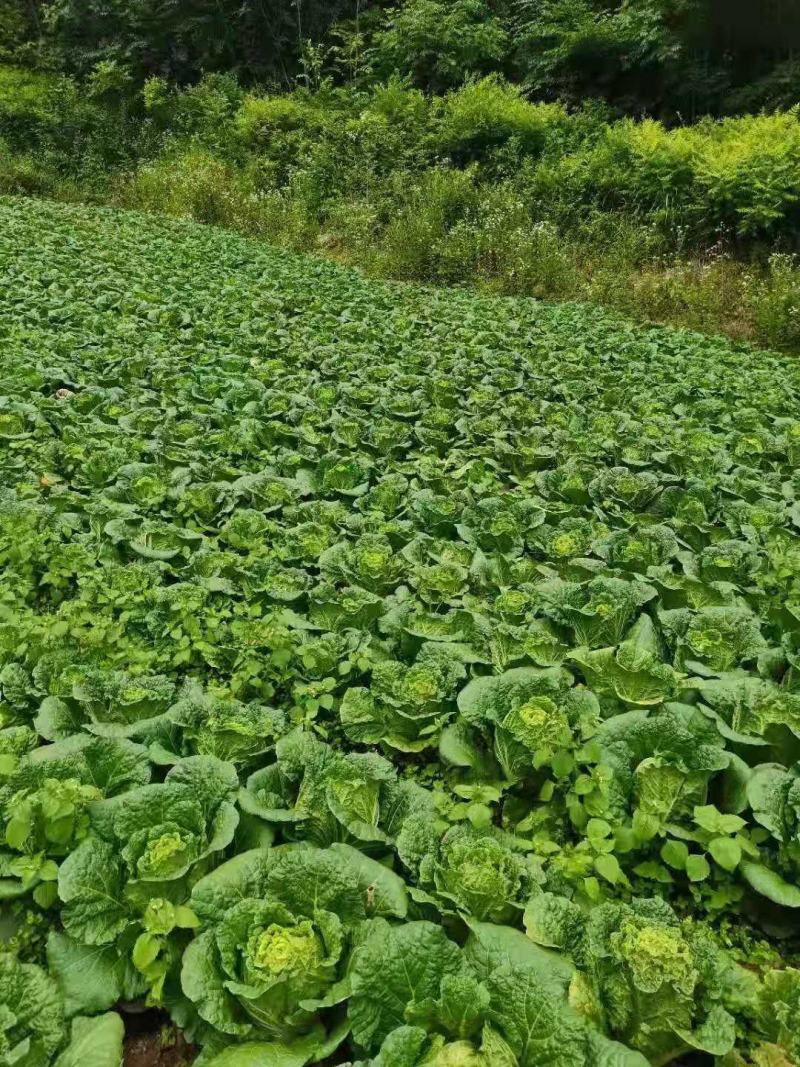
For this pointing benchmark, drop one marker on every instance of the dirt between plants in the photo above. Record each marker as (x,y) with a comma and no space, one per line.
(151,1041)
(148,1050)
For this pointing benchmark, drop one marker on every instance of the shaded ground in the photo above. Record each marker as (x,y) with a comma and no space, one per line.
(151,1041)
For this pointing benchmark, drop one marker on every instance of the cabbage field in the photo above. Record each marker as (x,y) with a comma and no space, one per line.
(390,676)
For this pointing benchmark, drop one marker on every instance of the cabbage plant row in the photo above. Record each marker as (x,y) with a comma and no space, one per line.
(389,677)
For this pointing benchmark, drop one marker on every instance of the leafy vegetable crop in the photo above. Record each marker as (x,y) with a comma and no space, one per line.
(389,676)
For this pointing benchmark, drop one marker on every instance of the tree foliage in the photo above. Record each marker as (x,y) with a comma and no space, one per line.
(660,57)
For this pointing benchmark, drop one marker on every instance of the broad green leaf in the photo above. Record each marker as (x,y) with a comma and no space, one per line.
(91,886)
(697,868)
(770,884)
(726,851)
(95,1042)
(91,978)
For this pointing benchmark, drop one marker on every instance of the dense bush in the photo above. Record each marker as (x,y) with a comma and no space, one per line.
(202,113)
(39,111)
(439,43)
(740,176)
(261,118)
(734,178)
(72,132)
(484,116)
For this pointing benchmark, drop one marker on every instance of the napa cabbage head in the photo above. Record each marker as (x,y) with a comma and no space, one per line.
(454,1054)
(656,983)
(713,638)
(655,955)
(215,724)
(599,611)
(661,981)
(539,725)
(161,832)
(405,706)
(370,562)
(275,966)
(621,489)
(320,794)
(479,873)
(279,923)
(161,852)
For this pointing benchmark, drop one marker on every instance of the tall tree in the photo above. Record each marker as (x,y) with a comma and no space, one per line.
(260,40)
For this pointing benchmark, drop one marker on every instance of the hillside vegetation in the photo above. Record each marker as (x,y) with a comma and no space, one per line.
(642,155)
(389,676)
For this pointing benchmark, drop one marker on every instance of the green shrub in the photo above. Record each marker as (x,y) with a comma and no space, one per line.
(192,184)
(110,83)
(52,116)
(202,113)
(440,44)
(485,115)
(640,166)
(435,203)
(348,150)
(197,185)
(400,104)
(281,135)
(23,175)
(396,127)
(775,301)
(260,118)
(747,171)
(351,230)
(454,227)
(370,146)
(740,176)
(37,108)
